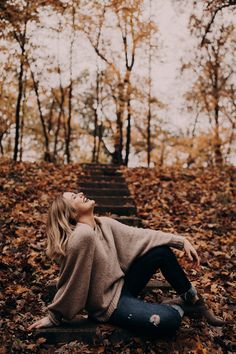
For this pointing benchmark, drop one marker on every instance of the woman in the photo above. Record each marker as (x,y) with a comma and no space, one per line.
(104,265)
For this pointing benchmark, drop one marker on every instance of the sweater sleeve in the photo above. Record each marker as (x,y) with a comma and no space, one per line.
(73,283)
(134,241)
(132,233)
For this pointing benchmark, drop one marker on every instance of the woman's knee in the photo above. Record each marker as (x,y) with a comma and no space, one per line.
(165,251)
(167,323)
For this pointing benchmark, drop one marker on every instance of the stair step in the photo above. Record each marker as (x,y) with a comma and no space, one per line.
(101,167)
(103,185)
(99,164)
(102,172)
(104,192)
(112,179)
(84,329)
(119,210)
(111,200)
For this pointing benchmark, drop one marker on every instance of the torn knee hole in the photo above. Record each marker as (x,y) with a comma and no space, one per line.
(155,319)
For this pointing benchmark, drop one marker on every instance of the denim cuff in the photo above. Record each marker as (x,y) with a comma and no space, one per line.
(179,309)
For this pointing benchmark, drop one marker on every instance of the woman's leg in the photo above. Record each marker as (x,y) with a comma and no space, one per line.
(146,318)
(163,258)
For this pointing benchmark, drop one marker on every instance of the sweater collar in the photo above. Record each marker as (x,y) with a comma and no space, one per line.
(97,222)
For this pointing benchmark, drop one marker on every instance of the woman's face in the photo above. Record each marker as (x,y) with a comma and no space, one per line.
(79,202)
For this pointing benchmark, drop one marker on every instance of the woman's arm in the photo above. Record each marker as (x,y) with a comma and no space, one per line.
(191,252)
(73,284)
(133,234)
(142,239)
(43,322)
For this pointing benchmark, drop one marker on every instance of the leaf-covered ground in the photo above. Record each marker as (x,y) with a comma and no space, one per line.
(199,204)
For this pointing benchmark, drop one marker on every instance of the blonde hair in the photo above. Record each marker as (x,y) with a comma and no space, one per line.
(60,224)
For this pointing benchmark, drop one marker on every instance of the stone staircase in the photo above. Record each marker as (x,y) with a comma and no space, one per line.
(106,185)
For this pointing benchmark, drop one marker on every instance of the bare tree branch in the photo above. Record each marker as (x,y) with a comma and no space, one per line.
(215,12)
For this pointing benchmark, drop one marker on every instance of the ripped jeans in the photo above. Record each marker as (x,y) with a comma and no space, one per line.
(145,318)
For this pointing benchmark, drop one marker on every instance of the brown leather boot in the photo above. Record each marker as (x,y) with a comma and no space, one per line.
(199,308)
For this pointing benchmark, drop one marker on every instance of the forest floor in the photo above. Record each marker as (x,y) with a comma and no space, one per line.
(197,203)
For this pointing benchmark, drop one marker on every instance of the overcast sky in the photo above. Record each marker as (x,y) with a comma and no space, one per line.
(175,44)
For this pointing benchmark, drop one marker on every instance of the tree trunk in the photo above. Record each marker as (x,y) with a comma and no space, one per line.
(190,158)
(61,111)
(1,147)
(161,162)
(217,140)
(100,133)
(47,155)
(57,135)
(22,119)
(68,130)
(128,133)
(95,132)
(231,139)
(94,154)
(149,134)
(149,92)
(18,104)
(118,143)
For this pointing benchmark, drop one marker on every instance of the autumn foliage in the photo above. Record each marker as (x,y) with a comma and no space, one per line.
(197,203)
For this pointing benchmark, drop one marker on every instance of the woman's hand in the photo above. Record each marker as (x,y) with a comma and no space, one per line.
(191,252)
(43,322)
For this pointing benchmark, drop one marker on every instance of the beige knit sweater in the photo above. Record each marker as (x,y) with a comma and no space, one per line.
(92,274)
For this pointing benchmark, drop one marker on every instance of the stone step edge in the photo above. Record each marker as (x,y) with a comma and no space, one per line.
(124,207)
(151,285)
(85,329)
(106,204)
(105,191)
(120,185)
(92,333)
(154,283)
(98,187)
(123,198)
(100,165)
(122,178)
(110,169)
(99,172)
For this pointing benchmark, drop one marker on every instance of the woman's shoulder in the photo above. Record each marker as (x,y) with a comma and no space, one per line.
(104,219)
(82,235)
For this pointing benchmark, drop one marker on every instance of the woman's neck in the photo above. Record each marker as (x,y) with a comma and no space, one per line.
(87,219)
